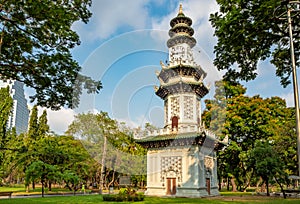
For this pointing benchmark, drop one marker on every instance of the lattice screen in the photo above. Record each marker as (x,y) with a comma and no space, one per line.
(175,106)
(172,163)
(188,103)
(166,111)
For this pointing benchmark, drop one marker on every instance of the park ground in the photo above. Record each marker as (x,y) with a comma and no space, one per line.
(64,197)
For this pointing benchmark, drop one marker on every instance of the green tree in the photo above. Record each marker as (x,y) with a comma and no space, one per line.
(33,124)
(72,180)
(249,31)
(285,142)
(35,42)
(267,164)
(40,171)
(43,127)
(248,119)
(114,150)
(68,154)
(6,104)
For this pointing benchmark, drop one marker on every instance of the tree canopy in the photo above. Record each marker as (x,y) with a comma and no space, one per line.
(248,120)
(6,105)
(250,31)
(266,163)
(111,144)
(35,42)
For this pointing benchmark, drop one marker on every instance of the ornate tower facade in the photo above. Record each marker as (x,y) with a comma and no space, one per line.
(181,80)
(181,157)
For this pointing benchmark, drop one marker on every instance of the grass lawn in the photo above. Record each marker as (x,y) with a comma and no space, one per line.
(21,190)
(227,197)
(244,199)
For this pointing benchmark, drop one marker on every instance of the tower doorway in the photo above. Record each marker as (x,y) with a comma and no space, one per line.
(174,123)
(171,186)
(208,185)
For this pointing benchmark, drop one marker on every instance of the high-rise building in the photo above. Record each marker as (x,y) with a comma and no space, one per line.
(20,112)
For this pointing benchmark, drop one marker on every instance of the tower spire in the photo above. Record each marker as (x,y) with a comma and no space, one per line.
(180,9)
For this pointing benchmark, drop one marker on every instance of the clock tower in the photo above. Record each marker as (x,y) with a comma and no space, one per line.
(181,157)
(181,80)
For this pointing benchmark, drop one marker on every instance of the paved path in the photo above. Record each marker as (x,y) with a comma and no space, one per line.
(45,195)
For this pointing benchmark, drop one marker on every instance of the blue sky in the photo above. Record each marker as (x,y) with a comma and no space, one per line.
(122,46)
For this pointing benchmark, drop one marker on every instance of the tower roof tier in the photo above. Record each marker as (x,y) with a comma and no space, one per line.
(180,38)
(181,18)
(183,139)
(182,70)
(178,88)
(181,28)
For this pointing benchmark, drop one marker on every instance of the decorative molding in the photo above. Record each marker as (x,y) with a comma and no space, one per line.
(209,163)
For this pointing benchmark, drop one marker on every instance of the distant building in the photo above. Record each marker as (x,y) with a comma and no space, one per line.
(20,112)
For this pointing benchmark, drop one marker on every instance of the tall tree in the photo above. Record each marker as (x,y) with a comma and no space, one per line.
(41,171)
(285,142)
(115,150)
(43,127)
(247,119)
(6,104)
(33,124)
(267,164)
(35,42)
(249,31)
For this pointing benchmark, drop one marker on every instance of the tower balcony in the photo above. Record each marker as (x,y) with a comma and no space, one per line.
(178,88)
(180,38)
(181,70)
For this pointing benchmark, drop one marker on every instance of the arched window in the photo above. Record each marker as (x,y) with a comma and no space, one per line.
(174,123)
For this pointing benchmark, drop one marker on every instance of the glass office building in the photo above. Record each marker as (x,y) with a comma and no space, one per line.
(20,112)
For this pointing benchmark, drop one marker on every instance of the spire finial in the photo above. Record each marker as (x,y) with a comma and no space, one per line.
(180,9)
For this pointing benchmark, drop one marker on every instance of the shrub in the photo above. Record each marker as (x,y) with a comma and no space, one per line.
(125,194)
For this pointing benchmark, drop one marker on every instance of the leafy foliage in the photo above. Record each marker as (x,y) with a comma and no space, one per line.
(35,42)
(125,194)
(249,31)
(6,104)
(249,119)
(266,162)
(115,150)
(39,170)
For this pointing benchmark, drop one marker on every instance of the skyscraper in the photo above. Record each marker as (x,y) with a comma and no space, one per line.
(20,112)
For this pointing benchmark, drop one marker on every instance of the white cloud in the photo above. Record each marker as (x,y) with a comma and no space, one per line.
(289,98)
(59,120)
(109,16)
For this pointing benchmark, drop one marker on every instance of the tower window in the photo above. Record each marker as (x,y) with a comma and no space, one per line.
(174,123)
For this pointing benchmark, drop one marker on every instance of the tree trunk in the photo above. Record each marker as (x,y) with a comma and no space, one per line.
(267,184)
(102,166)
(42,188)
(33,185)
(50,186)
(112,180)
(228,184)
(233,184)
(281,187)
(248,181)
(263,187)
(220,184)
